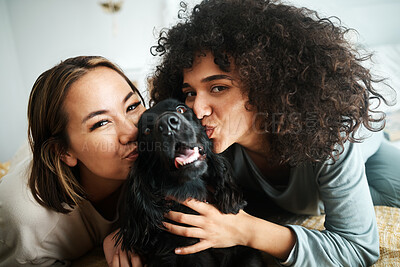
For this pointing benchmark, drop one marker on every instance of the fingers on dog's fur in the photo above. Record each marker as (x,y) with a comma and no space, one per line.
(199,206)
(184,218)
(135,260)
(200,246)
(184,231)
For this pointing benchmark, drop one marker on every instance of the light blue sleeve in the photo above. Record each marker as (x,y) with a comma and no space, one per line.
(350,237)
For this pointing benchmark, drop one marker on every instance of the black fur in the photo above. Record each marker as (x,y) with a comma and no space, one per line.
(162,132)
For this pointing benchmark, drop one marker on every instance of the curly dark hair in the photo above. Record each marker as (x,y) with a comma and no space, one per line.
(298,70)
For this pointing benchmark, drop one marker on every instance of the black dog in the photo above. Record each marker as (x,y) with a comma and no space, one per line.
(176,160)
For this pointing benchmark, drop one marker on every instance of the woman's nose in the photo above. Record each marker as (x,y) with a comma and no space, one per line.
(202,107)
(128,132)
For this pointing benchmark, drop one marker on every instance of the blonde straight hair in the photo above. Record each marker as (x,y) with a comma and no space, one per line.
(54,184)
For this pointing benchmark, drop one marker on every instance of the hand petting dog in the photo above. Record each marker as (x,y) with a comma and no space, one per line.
(210,226)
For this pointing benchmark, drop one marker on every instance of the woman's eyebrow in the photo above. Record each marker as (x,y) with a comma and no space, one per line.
(103,111)
(211,78)
(127,97)
(94,114)
(217,77)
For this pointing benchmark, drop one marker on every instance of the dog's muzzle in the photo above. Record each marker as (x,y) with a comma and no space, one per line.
(169,123)
(172,125)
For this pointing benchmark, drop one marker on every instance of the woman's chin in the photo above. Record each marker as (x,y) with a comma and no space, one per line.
(219,146)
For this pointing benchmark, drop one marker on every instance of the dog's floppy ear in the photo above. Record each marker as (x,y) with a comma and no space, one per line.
(141,214)
(227,197)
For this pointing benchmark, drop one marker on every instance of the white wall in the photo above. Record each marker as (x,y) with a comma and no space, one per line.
(46,31)
(35,35)
(377,21)
(13,95)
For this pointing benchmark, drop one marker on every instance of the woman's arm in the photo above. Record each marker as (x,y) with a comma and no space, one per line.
(225,230)
(351,236)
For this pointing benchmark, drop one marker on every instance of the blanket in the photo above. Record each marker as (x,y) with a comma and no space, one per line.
(388,220)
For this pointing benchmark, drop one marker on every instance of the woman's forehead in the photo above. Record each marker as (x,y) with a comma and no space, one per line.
(99,88)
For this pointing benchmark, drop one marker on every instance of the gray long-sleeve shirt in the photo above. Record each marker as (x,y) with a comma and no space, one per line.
(338,190)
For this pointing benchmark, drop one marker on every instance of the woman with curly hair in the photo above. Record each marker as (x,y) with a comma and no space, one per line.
(282,93)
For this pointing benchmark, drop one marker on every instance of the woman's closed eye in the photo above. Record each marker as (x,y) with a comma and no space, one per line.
(99,124)
(133,106)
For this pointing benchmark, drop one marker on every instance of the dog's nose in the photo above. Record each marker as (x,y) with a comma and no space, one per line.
(169,123)
(174,122)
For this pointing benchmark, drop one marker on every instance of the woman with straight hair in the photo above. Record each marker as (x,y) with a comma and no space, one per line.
(61,201)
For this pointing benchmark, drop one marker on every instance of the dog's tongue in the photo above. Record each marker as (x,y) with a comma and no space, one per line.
(185,156)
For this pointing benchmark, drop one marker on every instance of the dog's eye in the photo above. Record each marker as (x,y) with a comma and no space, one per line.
(147,131)
(181,109)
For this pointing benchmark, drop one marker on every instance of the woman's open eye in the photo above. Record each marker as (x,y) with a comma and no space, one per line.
(134,106)
(181,109)
(99,124)
(189,94)
(219,88)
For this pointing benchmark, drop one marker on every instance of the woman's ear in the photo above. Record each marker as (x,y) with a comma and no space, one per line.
(69,159)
